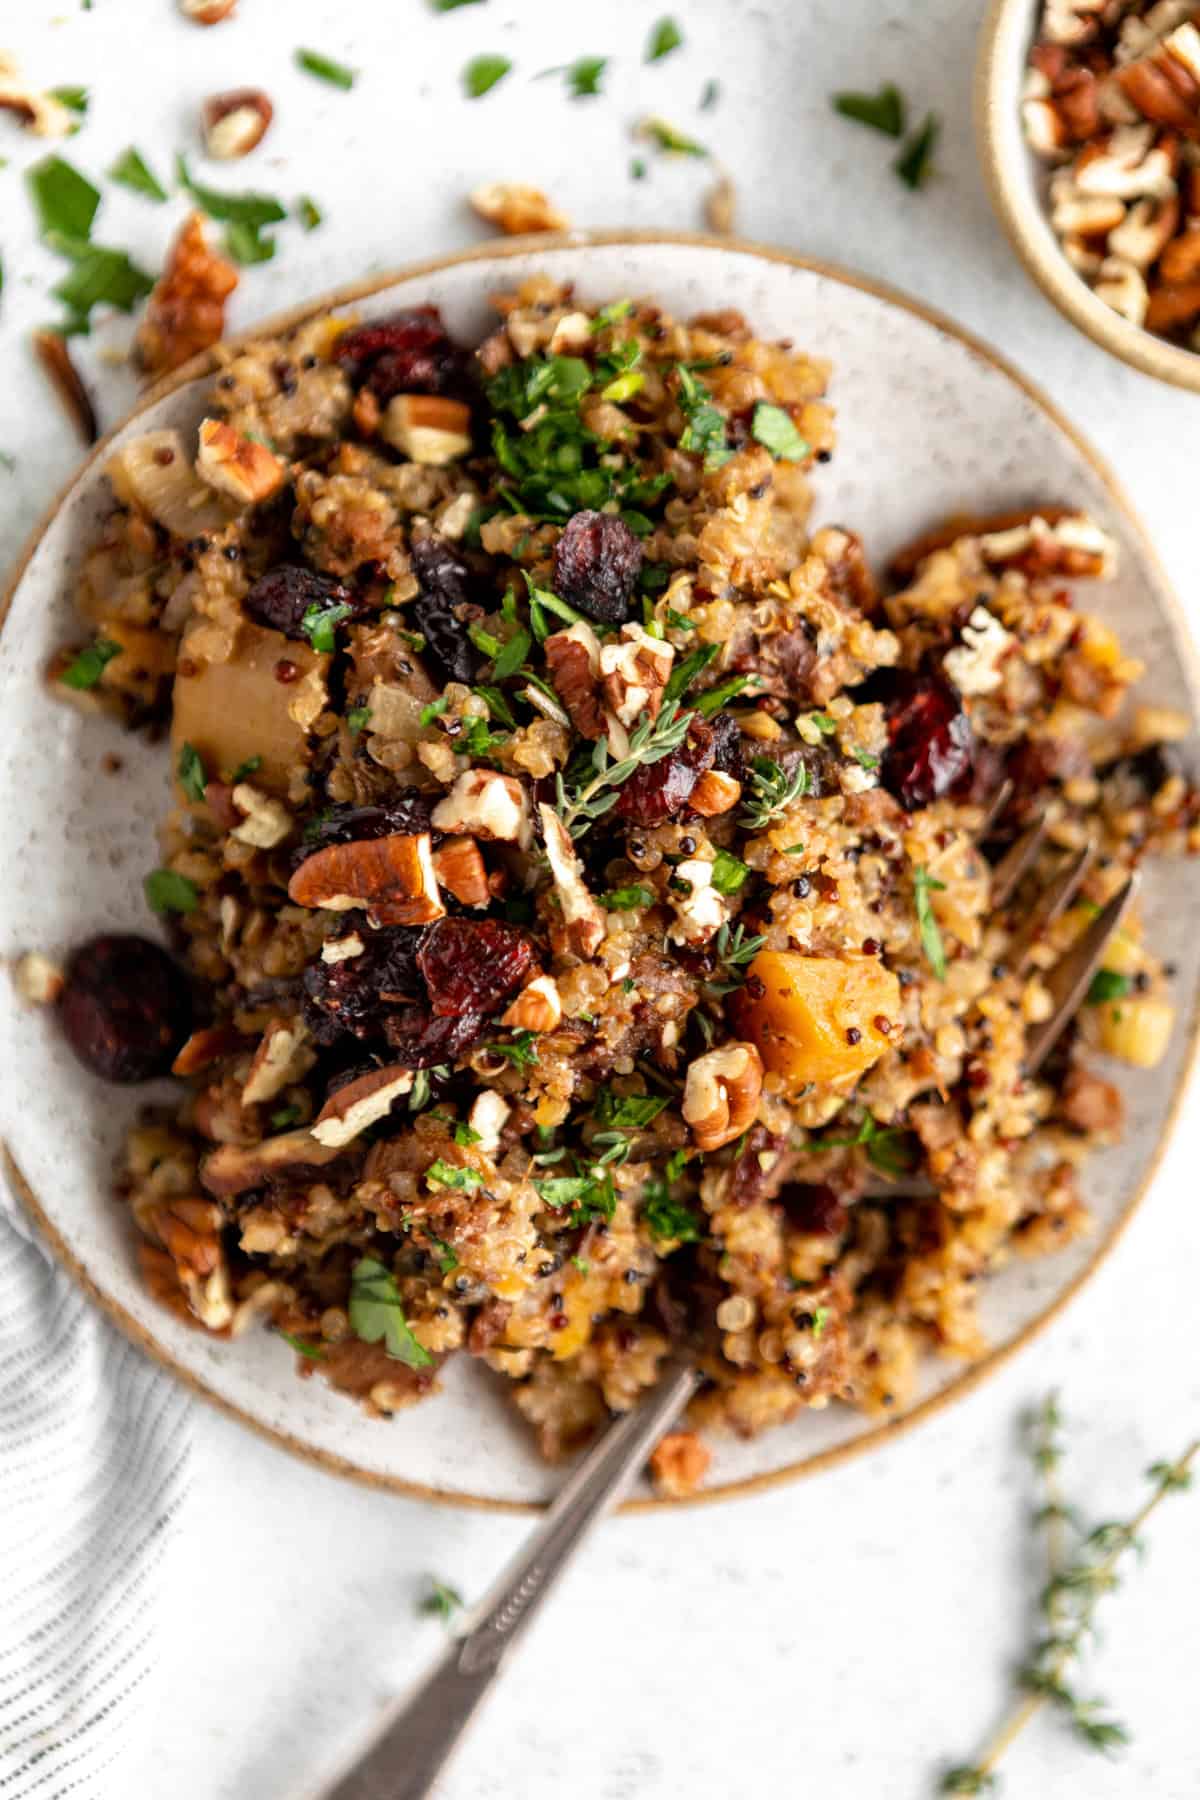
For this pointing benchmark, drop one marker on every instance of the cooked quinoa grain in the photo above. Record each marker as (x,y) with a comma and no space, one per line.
(583,871)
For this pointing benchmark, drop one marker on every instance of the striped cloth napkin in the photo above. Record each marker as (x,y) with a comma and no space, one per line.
(93,1472)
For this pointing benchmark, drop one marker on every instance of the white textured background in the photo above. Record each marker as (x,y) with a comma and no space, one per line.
(842,1637)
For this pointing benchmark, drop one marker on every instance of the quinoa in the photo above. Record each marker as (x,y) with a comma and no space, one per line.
(584,868)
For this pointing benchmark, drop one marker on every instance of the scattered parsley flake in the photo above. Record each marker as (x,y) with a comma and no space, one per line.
(914,165)
(521,1052)
(100,277)
(670,140)
(931,937)
(166,891)
(465,1135)
(65,200)
(452,5)
(585,75)
(377,1314)
(75,99)
(680,621)
(312,1351)
(1107,985)
(318,625)
(131,170)
(358,719)
(87,668)
(443,1174)
(254,210)
(625,899)
(251,766)
(611,314)
(247,245)
(728,873)
(705,429)
(774,427)
(325,69)
(442,1602)
(824,724)
(309,213)
(717,697)
(637,169)
(190,770)
(665,37)
(512,654)
(863,758)
(284,1116)
(710,95)
(884,111)
(628,1112)
(482,73)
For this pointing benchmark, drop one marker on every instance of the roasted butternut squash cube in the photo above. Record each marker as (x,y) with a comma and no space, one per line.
(815,1018)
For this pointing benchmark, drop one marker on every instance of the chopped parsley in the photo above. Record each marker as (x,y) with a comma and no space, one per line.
(251,766)
(670,140)
(447,1175)
(309,213)
(665,37)
(664,1216)
(1107,985)
(704,432)
(687,671)
(863,758)
(914,165)
(465,1135)
(625,899)
(87,668)
(883,111)
(358,719)
(679,621)
(190,770)
(728,873)
(521,1052)
(313,1353)
(824,724)
(254,210)
(451,5)
(318,623)
(637,169)
(717,697)
(820,1319)
(75,99)
(441,1602)
(65,201)
(247,245)
(284,1116)
(377,1314)
(510,656)
(627,1112)
(482,73)
(325,69)
(585,75)
(131,170)
(774,427)
(100,277)
(447,1255)
(931,937)
(710,95)
(610,314)
(889,1149)
(168,892)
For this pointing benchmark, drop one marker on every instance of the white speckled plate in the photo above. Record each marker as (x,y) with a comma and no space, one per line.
(930,423)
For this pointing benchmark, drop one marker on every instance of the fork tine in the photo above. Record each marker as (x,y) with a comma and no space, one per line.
(1070,978)
(1053,900)
(1016,862)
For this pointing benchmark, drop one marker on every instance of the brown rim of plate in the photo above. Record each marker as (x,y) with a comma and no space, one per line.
(973,1376)
(1027,226)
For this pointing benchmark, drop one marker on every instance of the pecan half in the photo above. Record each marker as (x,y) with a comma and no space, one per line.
(360,1103)
(236,465)
(235,1168)
(392,877)
(234,122)
(721,1093)
(516,209)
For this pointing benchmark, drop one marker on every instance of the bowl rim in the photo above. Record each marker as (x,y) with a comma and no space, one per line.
(973,1375)
(1021,219)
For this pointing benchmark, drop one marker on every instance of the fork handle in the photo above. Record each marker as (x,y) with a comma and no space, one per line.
(419,1732)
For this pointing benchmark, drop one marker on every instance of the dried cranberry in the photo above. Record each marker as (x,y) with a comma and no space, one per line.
(421,1041)
(815,1210)
(660,790)
(355,996)
(472,963)
(408,353)
(406,813)
(280,598)
(930,744)
(596,565)
(125,1008)
(444,608)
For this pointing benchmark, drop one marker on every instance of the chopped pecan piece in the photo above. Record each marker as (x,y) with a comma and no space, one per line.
(238,466)
(393,878)
(573,659)
(186,311)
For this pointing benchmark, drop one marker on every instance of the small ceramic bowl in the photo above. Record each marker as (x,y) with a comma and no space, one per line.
(1016,177)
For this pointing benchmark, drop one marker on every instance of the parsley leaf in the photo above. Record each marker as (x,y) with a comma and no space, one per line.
(625,899)
(1107,985)
(247,245)
(774,427)
(308,212)
(686,672)
(628,1112)
(64,199)
(710,95)
(377,1314)
(728,873)
(669,139)
(883,111)
(705,429)
(931,937)
(482,73)
(254,210)
(75,99)
(325,69)
(914,165)
(665,37)
(442,1601)
(318,623)
(190,770)
(284,1116)
(87,668)
(585,76)
(131,170)
(358,719)
(434,710)
(447,1175)
(100,277)
(465,1134)
(168,892)
(716,697)
(863,758)
(667,1218)
(251,766)
(521,1052)
(511,655)
(301,1348)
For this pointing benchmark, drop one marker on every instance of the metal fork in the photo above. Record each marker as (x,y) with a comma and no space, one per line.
(419,1732)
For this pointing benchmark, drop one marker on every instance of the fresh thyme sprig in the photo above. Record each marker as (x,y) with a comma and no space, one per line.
(734,952)
(1073,1590)
(771,790)
(650,741)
